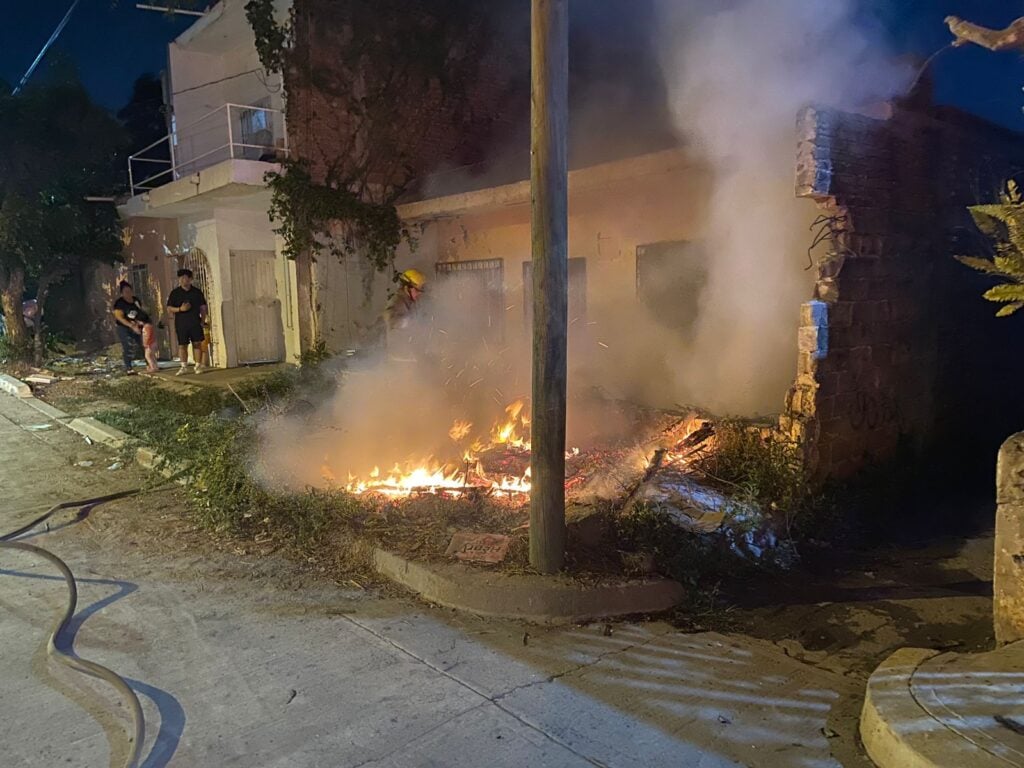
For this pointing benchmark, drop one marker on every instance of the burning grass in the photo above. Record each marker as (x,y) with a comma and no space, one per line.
(415,508)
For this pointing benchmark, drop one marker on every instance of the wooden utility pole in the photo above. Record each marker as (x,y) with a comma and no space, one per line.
(549,178)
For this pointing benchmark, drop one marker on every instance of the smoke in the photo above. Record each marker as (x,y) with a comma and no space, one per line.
(717,323)
(737,74)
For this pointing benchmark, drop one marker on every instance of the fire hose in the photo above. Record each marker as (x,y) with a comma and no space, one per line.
(70,660)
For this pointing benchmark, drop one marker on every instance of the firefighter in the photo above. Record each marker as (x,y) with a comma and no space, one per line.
(411,284)
(402,306)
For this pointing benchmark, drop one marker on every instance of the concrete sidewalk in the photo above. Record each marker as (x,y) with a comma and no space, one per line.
(926,709)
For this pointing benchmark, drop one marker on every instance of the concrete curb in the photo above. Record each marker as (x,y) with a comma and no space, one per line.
(47,410)
(12,386)
(899,733)
(99,432)
(536,599)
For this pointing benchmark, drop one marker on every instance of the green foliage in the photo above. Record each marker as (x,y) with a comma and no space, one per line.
(758,468)
(317,217)
(316,354)
(678,554)
(217,451)
(1003,224)
(272,38)
(396,71)
(56,149)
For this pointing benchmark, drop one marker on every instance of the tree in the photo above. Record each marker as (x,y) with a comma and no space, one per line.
(143,116)
(57,148)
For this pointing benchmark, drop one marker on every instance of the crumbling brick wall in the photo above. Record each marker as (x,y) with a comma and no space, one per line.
(897,348)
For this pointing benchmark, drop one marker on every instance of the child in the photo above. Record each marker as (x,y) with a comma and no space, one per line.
(149,344)
(204,348)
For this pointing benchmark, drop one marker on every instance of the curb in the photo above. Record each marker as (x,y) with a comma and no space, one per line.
(899,733)
(98,432)
(536,599)
(47,410)
(12,386)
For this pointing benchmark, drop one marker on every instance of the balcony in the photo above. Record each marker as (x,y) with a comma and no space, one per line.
(230,132)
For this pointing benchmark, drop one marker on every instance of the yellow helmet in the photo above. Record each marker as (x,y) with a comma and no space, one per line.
(413,278)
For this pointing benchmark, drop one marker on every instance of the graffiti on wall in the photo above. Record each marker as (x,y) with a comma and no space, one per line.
(871,410)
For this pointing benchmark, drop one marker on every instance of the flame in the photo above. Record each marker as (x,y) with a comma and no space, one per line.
(435,479)
(460,429)
(430,476)
(507,432)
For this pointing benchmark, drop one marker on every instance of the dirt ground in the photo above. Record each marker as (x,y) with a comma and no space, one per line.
(844,619)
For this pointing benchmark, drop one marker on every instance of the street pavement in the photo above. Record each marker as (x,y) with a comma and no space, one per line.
(240,670)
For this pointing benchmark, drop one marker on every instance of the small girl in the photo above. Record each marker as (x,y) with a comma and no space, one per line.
(150,344)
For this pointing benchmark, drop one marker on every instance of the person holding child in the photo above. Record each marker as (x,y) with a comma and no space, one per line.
(134,327)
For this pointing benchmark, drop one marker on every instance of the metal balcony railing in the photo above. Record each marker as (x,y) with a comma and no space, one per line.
(232,131)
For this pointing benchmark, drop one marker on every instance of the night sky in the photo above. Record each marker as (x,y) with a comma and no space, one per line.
(112,43)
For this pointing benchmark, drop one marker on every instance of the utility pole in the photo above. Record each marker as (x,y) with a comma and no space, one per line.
(549,181)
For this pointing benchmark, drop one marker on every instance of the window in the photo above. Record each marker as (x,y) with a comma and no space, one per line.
(257,131)
(479,288)
(670,277)
(577,291)
(138,276)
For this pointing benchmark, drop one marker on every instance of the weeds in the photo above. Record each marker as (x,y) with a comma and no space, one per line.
(760,469)
(199,432)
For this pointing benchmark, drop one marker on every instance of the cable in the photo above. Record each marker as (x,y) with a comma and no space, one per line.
(46,47)
(84,666)
(214,82)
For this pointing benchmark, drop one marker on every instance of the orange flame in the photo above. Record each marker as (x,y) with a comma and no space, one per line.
(433,477)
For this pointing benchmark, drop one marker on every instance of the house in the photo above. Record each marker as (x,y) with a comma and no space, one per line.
(884,349)
(199,199)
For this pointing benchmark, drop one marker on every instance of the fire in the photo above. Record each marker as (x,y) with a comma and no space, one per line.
(460,430)
(507,432)
(434,477)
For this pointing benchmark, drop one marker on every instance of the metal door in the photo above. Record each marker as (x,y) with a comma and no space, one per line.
(259,333)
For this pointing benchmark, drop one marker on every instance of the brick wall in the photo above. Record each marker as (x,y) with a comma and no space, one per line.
(427,133)
(897,347)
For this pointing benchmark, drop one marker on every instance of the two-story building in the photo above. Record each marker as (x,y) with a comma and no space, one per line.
(198,196)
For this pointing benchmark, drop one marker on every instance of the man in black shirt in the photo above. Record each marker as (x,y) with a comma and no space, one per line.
(188,305)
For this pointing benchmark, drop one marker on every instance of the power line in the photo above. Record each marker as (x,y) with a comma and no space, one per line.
(214,82)
(42,53)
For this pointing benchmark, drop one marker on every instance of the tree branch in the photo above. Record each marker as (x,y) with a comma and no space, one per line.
(993,39)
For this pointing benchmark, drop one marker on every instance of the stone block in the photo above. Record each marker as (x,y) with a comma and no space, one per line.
(814,314)
(1008,577)
(814,341)
(827,289)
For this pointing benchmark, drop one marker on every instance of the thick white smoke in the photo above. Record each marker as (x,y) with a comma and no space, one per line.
(738,73)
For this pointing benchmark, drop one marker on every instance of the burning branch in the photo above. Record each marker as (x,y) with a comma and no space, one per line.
(993,39)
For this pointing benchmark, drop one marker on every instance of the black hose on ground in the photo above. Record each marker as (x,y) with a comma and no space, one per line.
(69,660)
